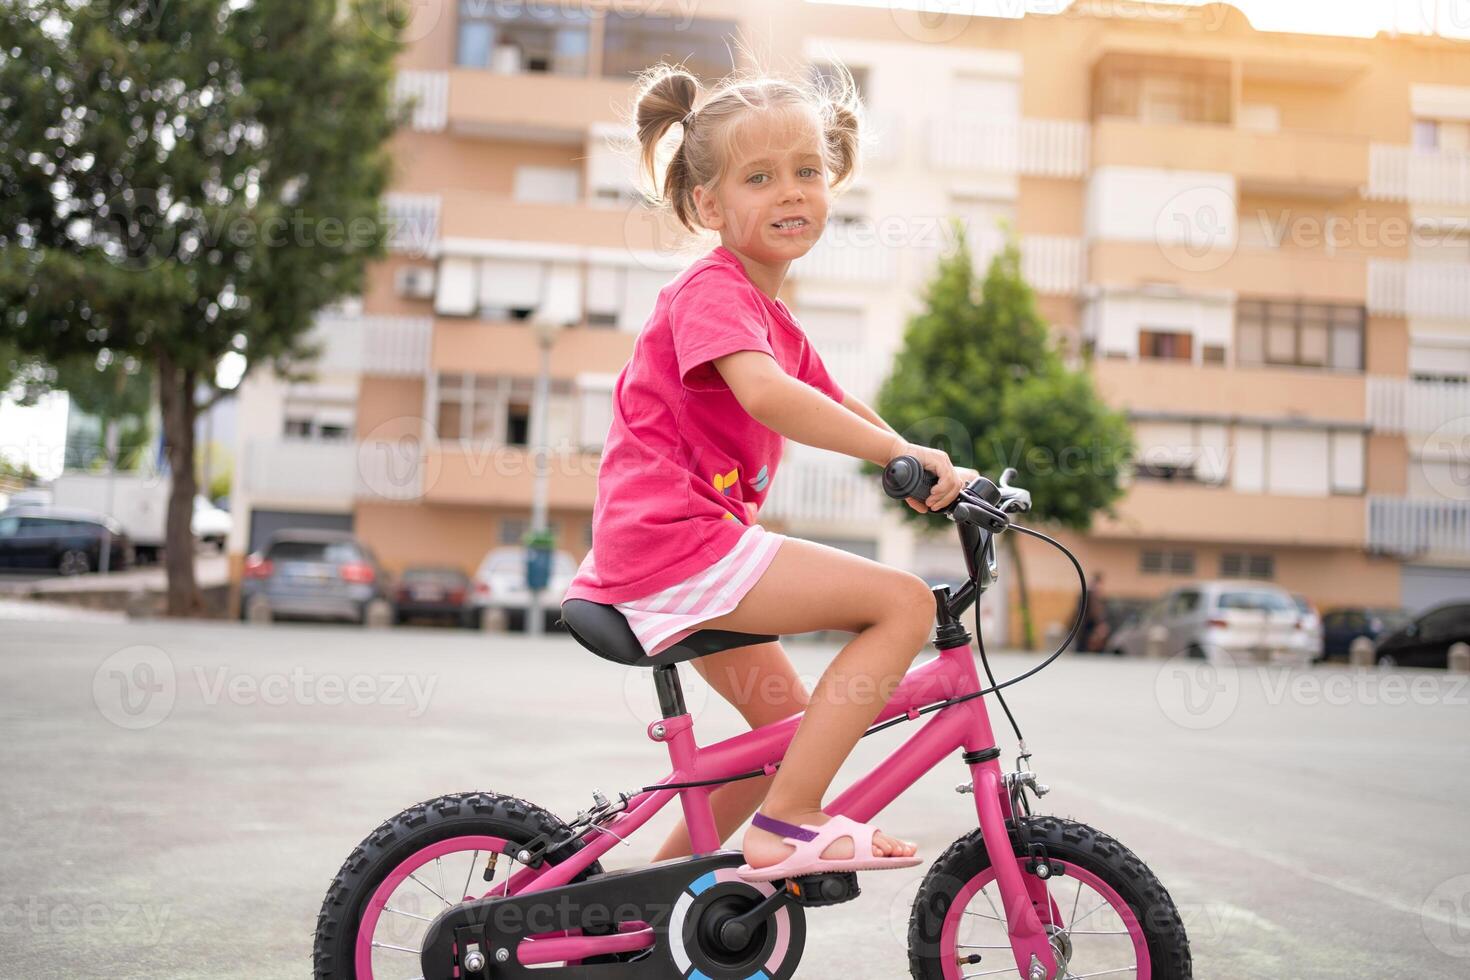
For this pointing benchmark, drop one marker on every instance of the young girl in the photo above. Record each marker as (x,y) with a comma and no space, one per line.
(720,376)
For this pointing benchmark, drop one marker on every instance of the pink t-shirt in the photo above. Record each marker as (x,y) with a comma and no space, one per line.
(685,468)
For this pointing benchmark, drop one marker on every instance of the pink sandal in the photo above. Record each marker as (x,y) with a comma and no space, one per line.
(811,840)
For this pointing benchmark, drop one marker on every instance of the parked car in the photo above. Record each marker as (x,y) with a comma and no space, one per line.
(435,593)
(69,541)
(500,584)
(210,524)
(1341,626)
(1308,637)
(1425,640)
(1240,619)
(1129,638)
(315,574)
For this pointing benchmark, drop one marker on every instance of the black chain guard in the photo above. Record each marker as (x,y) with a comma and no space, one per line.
(680,899)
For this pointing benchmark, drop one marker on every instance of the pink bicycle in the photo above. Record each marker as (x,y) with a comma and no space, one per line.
(484,886)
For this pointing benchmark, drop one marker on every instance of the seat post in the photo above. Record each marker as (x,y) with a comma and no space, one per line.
(670,691)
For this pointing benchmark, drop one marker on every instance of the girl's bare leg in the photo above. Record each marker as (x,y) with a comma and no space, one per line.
(808,587)
(761,681)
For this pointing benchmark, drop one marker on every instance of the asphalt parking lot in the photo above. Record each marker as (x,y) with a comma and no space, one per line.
(178,795)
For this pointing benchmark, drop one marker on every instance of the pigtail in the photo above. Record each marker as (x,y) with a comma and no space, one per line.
(666,97)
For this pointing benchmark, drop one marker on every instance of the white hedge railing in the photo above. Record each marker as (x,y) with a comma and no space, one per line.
(1408,527)
(1034,147)
(413,222)
(1409,406)
(1404,173)
(1427,289)
(429,91)
(825,493)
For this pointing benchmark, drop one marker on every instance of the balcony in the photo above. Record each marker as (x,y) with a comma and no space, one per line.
(1190,512)
(487,474)
(1261,160)
(1419,289)
(487,347)
(1218,391)
(853,256)
(470,216)
(823,493)
(312,475)
(1029,147)
(1249,269)
(390,346)
(412,222)
(531,105)
(1406,173)
(1409,528)
(1403,405)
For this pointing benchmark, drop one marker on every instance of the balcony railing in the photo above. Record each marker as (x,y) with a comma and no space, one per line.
(825,494)
(1425,289)
(1033,147)
(860,259)
(392,346)
(1409,406)
(1054,264)
(1407,528)
(1405,173)
(413,222)
(429,91)
(299,471)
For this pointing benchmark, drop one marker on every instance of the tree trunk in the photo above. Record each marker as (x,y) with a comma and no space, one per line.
(176,403)
(1028,632)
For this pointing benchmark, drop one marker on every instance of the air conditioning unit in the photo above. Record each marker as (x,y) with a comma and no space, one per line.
(415,281)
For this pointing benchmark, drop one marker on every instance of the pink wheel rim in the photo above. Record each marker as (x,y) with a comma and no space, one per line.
(949,934)
(373,910)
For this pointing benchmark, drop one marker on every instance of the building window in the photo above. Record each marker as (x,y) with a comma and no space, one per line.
(1169,345)
(587,534)
(538,38)
(1154,561)
(1212,353)
(1297,334)
(513,529)
(1426,134)
(1235,564)
(700,46)
(498,410)
(823,73)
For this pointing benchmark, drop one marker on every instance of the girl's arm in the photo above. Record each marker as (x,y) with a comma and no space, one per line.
(798,411)
(859,408)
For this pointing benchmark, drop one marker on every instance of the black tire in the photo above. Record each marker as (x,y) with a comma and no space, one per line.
(459,814)
(1071,843)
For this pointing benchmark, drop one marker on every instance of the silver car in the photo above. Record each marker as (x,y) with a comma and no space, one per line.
(1217,620)
(500,584)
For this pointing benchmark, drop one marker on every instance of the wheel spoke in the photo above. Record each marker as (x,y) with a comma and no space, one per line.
(400,949)
(415,876)
(1101,973)
(411,915)
(474,859)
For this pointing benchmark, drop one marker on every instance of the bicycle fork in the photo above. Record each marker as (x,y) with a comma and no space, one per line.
(1020,894)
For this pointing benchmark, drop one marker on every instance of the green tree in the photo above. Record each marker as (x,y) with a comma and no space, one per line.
(979,377)
(185,182)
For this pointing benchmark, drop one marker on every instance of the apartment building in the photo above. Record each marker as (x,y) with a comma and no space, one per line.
(1256,242)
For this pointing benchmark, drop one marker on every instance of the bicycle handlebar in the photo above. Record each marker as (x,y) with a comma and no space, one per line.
(983,504)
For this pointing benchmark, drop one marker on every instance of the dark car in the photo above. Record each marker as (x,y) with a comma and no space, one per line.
(1426,639)
(435,593)
(69,541)
(1343,625)
(315,574)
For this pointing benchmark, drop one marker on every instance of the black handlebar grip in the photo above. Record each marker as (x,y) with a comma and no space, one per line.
(905,476)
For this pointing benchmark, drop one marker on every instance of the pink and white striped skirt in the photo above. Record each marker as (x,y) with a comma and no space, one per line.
(666,617)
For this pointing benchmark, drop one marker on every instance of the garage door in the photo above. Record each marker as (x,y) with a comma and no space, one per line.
(264,523)
(1427,585)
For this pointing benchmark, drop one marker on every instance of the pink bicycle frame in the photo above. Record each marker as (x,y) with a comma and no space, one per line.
(964,726)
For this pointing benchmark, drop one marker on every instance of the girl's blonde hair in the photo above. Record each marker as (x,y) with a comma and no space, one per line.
(668,95)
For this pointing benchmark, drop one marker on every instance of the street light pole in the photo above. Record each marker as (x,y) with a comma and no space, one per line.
(545,335)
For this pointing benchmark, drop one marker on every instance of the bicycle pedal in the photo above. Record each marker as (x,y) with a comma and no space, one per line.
(817,890)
